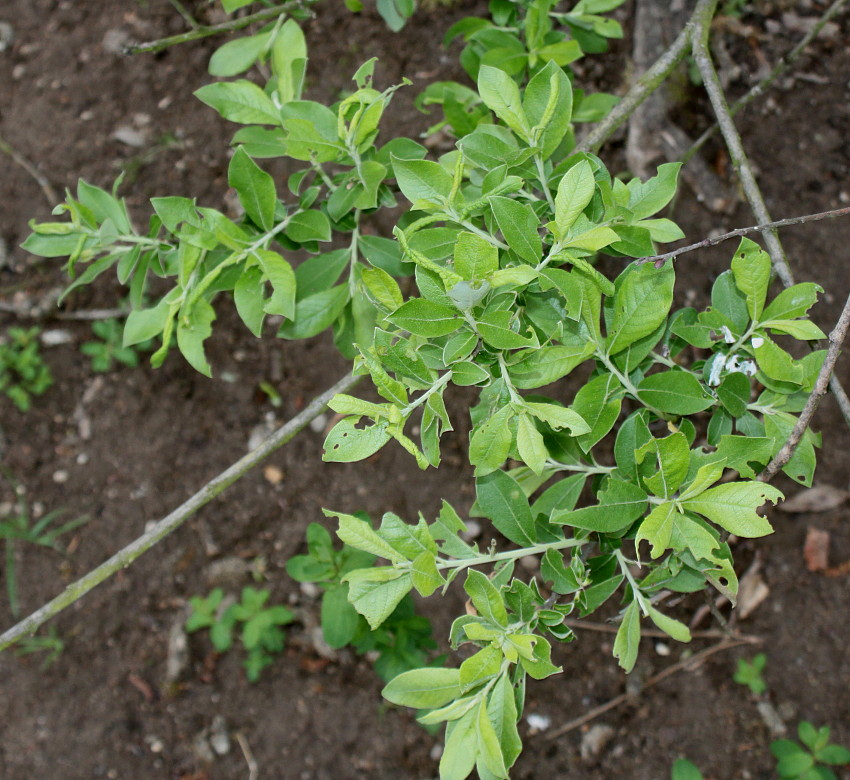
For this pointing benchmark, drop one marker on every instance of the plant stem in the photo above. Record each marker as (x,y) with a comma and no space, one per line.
(762,86)
(580,468)
(175,519)
(509,555)
(204,31)
(780,223)
(544,184)
(435,388)
(636,591)
(836,338)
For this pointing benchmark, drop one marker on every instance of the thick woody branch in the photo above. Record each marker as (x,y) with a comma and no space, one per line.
(173,521)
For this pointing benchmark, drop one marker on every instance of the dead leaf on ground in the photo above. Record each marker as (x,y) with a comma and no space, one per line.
(751,592)
(819,498)
(816,550)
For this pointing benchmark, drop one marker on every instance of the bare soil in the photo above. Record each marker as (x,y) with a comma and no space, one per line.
(124,448)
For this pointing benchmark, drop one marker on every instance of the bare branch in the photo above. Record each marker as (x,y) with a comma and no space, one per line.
(836,338)
(41,180)
(203,31)
(659,259)
(762,86)
(175,519)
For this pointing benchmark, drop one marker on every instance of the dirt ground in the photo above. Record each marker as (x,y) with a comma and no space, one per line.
(125,447)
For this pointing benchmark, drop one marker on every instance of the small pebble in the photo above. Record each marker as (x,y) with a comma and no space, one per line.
(473,531)
(594,740)
(318,424)
(7,35)
(60,476)
(55,337)
(436,751)
(537,722)
(663,649)
(219,737)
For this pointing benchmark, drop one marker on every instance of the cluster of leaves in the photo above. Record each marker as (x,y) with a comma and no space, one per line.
(107,348)
(403,640)
(662,444)
(261,633)
(750,673)
(22,371)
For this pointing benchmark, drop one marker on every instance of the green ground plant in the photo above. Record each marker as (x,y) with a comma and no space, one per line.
(23,373)
(811,760)
(51,645)
(107,349)
(258,626)
(520,260)
(750,673)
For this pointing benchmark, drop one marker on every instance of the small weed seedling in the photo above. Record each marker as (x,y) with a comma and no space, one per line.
(261,634)
(402,642)
(685,770)
(749,673)
(22,371)
(811,762)
(108,347)
(15,527)
(51,645)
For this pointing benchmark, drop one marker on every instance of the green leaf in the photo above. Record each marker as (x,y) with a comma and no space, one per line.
(620,504)
(632,434)
(248,297)
(647,198)
(672,455)
(240,101)
(496,329)
(641,303)
(360,534)
(834,755)
(674,392)
(280,275)
(339,619)
(733,507)
(192,334)
(500,94)
(491,442)
(466,373)
(315,313)
(627,641)
(805,330)
(538,367)
(734,393)
(751,269)
(595,404)
(347,443)
(237,56)
(375,593)
(485,596)
(503,501)
(255,189)
(657,528)
(575,191)
(422,180)
(502,709)
(792,302)
(144,324)
(685,770)
(289,58)
(383,288)
(519,225)
(424,688)
(480,667)
(426,318)
(461,748)
(558,417)
(530,445)
(308,226)
(673,628)
(424,575)
(548,105)
(729,301)
(474,258)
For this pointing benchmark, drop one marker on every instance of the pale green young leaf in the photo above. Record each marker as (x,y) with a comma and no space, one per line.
(641,303)
(657,528)
(598,403)
(474,258)
(383,288)
(575,191)
(548,105)
(315,313)
(461,748)
(452,711)
(289,58)
(674,392)
(376,592)
(192,334)
(672,455)
(733,507)
(500,94)
(706,475)
(479,668)
(348,404)
(491,442)
(690,534)
(673,628)
(347,443)
(144,324)
(496,328)
(805,330)
(240,101)
(513,276)
(502,709)
(254,187)
(558,417)
(792,302)
(466,373)
(360,534)
(627,640)
(539,665)
(310,225)
(530,445)
(751,268)
(280,275)
(502,500)
(249,300)
(800,468)
(489,749)
(519,225)
(592,240)
(663,230)
(485,596)
(424,575)
(775,361)
(423,688)
(543,366)
(426,318)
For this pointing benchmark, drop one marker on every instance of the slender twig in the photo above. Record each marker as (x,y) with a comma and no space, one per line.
(42,182)
(253,768)
(38,313)
(707,242)
(762,86)
(604,628)
(836,338)
(183,11)
(175,519)
(204,31)
(654,680)
(699,36)
(639,91)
